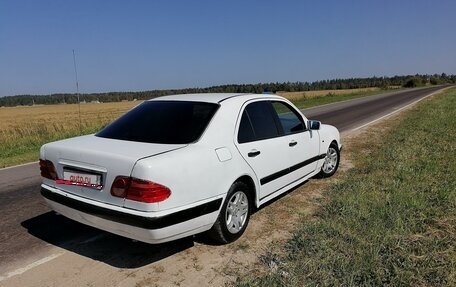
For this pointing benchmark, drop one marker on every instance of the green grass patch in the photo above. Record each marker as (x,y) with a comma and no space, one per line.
(390,220)
(304,103)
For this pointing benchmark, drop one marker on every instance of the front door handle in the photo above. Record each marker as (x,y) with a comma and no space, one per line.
(293,143)
(253,153)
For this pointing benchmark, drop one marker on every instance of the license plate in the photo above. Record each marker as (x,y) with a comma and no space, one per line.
(79,178)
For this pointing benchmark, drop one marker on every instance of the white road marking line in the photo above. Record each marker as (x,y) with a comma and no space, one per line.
(398,110)
(44,260)
(30,266)
(19,165)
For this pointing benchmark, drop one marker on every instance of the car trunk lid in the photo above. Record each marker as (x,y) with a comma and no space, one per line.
(94,162)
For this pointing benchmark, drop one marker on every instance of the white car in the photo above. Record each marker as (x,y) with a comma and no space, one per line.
(180,165)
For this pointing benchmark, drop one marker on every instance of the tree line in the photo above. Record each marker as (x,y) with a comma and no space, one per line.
(334,84)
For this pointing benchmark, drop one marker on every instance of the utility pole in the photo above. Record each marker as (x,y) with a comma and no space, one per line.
(77,91)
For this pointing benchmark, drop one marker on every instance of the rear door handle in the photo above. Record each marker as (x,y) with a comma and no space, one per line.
(253,153)
(293,143)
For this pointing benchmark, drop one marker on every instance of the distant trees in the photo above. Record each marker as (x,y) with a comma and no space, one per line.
(414,82)
(334,84)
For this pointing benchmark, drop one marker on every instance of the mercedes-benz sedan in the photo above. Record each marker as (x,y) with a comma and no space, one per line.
(180,165)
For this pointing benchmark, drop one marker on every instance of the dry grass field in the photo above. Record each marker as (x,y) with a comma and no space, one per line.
(24,129)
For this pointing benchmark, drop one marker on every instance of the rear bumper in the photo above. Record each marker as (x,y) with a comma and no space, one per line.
(142,226)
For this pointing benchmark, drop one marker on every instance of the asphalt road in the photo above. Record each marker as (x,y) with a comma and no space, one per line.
(28,227)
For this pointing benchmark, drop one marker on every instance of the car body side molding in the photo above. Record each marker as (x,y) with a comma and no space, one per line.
(288,170)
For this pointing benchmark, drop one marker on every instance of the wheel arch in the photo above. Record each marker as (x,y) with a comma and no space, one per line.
(248,180)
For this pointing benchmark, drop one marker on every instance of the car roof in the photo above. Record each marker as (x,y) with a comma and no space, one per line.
(213,97)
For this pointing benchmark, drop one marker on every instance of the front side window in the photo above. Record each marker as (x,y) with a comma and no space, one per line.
(289,119)
(162,122)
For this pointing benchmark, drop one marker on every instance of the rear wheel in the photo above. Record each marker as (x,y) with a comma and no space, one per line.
(332,160)
(234,216)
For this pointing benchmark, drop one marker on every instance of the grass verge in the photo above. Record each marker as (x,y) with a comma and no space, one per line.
(390,220)
(304,100)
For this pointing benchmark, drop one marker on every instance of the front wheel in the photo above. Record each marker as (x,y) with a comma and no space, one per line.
(332,160)
(234,216)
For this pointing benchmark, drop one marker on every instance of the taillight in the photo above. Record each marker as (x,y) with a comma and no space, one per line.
(147,191)
(47,169)
(120,185)
(139,189)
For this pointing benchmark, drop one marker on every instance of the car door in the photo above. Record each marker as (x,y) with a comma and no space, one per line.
(260,143)
(304,144)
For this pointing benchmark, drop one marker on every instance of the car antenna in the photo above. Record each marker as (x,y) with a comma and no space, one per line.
(77,91)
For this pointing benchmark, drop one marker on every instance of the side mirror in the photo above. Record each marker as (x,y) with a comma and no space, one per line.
(313,125)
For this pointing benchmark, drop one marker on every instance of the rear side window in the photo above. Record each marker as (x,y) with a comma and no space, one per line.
(257,123)
(162,122)
(246,133)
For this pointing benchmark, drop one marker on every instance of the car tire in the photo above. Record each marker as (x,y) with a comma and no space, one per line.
(234,215)
(331,162)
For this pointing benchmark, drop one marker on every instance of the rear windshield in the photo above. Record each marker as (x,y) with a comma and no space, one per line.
(162,122)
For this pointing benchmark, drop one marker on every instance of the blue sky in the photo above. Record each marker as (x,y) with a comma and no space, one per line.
(143,45)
